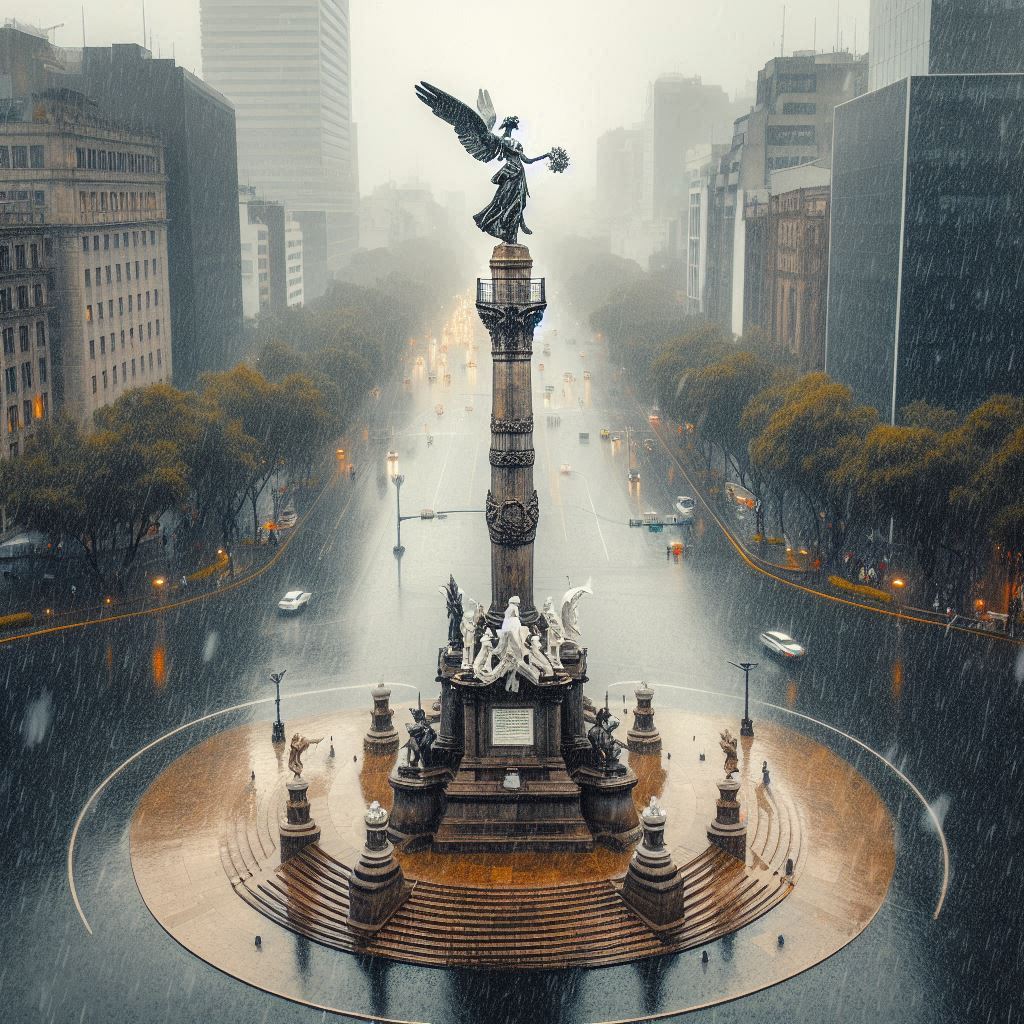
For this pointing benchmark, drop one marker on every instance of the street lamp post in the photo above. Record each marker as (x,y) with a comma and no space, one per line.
(277,735)
(746,725)
(398,480)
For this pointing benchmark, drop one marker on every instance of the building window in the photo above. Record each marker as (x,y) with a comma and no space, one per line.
(22,296)
(99,309)
(104,380)
(11,380)
(19,156)
(117,273)
(5,258)
(106,273)
(37,294)
(120,305)
(110,308)
(40,334)
(158,328)
(791,135)
(149,330)
(26,412)
(23,341)
(117,241)
(156,297)
(92,348)
(42,370)
(85,243)
(124,373)
(5,157)
(798,83)
(150,362)
(103,344)
(128,271)
(130,301)
(33,255)
(159,360)
(122,341)
(95,243)
(5,300)
(39,197)
(152,238)
(94,384)
(800,108)
(26,376)
(12,422)
(88,278)
(19,257)
(8,341)
(115,374)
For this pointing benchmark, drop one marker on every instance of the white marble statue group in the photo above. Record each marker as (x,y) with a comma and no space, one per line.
(515,650)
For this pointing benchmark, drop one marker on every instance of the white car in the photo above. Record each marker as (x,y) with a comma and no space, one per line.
(392,456)
(782,644)
(565,469)
(294,601)
(686,506)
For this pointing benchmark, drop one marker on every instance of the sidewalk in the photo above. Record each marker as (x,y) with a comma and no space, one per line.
(741,532)
(155,583)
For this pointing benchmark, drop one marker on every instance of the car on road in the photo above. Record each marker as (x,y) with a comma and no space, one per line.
(439,409)
(294,601)
(565,469)
(605,433)
(648,444)
(781,644)
(686,506)
(586,375)
(634,476)
(392,456)
(655,417)
(616,439)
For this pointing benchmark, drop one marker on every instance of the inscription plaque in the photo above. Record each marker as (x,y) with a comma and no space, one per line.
(512,727)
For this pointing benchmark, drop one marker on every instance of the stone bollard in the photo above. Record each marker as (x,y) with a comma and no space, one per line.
(298,829)
(643,737)
(377,887)
(653,886)
(382,736)
(727,832)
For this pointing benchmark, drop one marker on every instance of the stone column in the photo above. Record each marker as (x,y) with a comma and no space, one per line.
(298,829)
(510,306)
(727,832)
(643,737)
(653,887)
(377,887)
(382,736)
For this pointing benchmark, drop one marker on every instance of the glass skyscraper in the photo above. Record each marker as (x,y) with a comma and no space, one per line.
(926,258)
(285,65)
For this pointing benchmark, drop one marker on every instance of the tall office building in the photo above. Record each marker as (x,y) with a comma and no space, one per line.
(944,37)
(928,211)
(285,66)
(680,113)
(197,128)
(790,125)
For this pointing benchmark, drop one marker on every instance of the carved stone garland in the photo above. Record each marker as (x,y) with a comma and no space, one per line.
(512,523)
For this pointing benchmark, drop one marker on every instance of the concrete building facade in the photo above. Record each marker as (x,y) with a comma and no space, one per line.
(103,190)
(285,65)
(196,126)
(26,264)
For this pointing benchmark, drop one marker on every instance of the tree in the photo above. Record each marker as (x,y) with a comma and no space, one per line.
(806,441)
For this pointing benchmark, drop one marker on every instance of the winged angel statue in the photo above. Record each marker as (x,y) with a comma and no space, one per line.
(503,215)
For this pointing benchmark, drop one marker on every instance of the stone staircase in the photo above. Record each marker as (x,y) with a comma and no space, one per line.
(548,927)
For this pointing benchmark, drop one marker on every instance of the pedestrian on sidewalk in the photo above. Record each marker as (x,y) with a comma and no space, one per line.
(765,777)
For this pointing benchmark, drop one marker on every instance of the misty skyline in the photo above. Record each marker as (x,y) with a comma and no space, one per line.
(572,71)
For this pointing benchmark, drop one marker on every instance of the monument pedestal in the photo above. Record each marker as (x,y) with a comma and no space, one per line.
(298,829)
(382,736)
(643,737)
(376,887)
(506,731)
(653,887)
(727,832)
(607,802)
(418,802)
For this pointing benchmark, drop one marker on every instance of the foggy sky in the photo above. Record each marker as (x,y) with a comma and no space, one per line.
(570,69)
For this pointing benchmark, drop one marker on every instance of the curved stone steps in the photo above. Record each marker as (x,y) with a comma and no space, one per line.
(546,927)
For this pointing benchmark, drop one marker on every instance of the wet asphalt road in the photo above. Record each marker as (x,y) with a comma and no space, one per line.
(945,709)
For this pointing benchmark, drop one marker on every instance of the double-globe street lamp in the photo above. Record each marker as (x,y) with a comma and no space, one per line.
(277,734)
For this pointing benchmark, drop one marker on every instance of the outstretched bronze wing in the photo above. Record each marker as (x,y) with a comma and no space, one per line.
(470,127)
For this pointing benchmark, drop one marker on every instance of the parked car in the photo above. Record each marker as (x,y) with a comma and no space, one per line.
(782,644)
(294,601)
(686,506)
